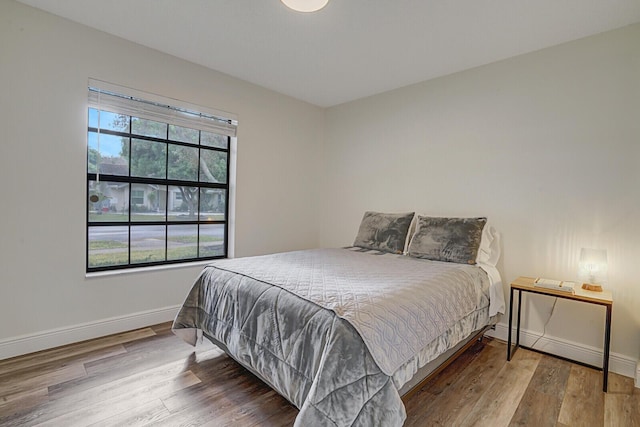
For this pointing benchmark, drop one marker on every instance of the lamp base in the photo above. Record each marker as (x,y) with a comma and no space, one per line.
(590,287)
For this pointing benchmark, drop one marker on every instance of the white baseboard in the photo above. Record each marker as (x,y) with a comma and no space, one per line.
(30,343)
(618,363)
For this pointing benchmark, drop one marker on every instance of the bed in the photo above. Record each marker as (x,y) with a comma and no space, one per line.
(344,333)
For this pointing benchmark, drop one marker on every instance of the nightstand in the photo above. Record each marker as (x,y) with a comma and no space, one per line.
(604,298)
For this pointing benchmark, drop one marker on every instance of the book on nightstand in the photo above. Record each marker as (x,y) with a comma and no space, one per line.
(556,285)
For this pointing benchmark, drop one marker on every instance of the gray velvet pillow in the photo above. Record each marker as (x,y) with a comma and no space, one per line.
(384,232)
(447,239)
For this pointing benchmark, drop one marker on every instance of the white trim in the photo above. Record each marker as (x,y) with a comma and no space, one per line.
(30,343)
(150,269)
(618,363)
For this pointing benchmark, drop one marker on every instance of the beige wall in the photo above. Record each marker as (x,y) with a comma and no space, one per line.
(45,63)
(546,145)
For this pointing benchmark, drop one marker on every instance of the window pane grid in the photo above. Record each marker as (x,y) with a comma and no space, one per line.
(153,213)
(218,147)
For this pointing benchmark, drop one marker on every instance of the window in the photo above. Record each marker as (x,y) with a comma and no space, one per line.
(157,180)
(137,197)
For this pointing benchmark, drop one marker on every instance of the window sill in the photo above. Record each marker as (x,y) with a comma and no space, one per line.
(152,269)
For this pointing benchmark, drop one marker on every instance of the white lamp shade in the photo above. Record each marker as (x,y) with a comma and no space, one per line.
(305,5)
(593,265)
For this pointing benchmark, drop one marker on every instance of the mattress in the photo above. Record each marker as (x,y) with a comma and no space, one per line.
(318,325)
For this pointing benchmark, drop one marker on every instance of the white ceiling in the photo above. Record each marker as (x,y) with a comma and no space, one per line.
(351,48)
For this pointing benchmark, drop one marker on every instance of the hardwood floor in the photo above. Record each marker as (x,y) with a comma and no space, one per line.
(150,377)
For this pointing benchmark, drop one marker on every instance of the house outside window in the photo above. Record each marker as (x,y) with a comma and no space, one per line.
(157,180)
(137,197)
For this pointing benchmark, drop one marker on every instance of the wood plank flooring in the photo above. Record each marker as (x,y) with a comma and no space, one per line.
(151,377)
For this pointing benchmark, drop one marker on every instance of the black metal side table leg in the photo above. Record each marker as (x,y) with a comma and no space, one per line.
(518,324)
(510,324)
(607,343)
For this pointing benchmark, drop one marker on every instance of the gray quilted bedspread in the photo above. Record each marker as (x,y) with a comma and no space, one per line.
(319,325)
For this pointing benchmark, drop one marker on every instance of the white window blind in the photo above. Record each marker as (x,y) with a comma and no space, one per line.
(108,97)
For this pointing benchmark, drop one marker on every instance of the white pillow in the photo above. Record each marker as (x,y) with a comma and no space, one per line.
(489,250)
(488,257)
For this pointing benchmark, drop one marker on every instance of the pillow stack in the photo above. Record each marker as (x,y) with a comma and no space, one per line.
(439,239)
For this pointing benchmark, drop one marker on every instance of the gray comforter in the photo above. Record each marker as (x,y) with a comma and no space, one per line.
(309,354)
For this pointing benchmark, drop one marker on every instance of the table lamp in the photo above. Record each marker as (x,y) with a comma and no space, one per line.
(592,268)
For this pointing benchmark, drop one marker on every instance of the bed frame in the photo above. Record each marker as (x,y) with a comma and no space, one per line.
(433,368)
(419,380)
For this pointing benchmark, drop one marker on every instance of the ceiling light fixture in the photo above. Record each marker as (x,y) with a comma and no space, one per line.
(305,5)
